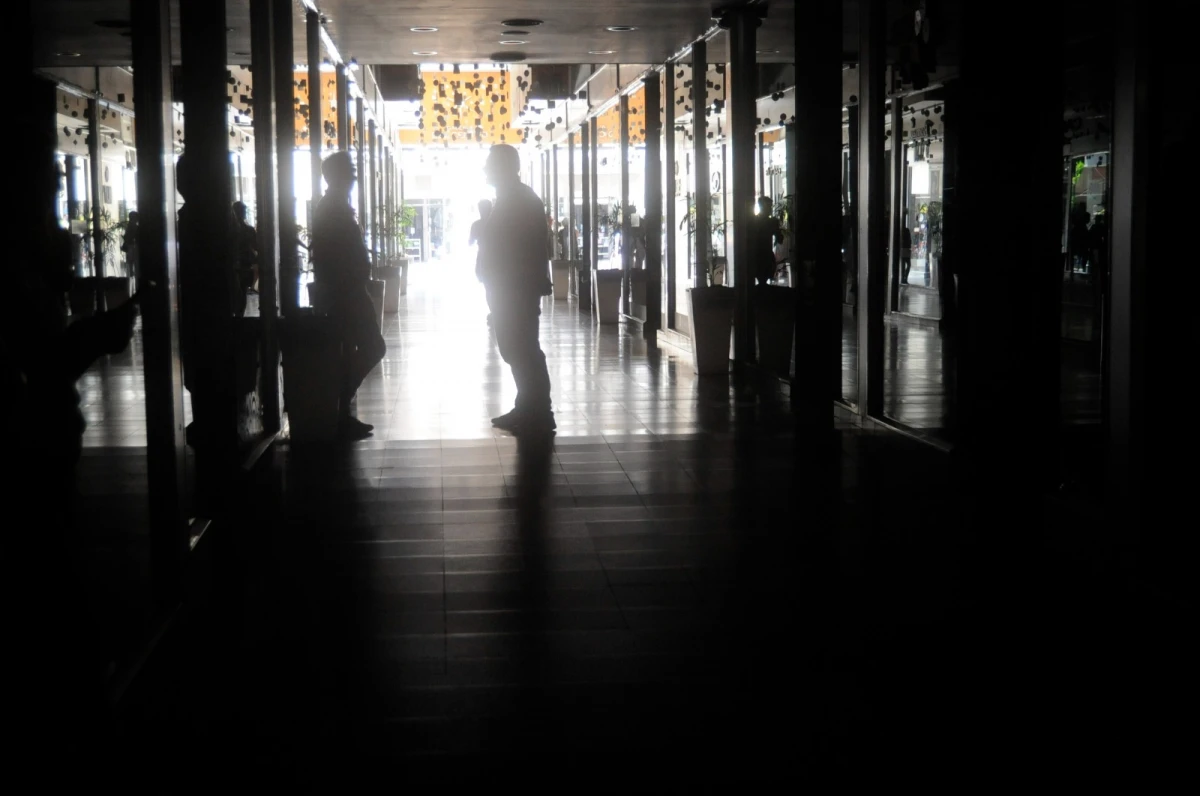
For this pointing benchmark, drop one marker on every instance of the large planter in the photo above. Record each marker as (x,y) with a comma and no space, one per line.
(560,276)
(402,264)
(312,376)
(117,290)
(775,322)
(390,276)
(376,290)
(83,296)
(711,317)
(606,296)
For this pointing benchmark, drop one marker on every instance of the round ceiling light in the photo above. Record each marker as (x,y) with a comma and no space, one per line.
(423,29)
(621,28)
(600,52)
(513,41)
(424,52)
(514,33)
(69,55)
(521,23)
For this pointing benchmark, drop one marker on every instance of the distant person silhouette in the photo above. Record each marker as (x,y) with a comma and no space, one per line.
(516,275)
(476,239)
(247,254)
(129,244)
(342,267)
(905,252)
(768,234)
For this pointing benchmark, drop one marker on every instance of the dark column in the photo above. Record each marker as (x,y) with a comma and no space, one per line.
(262,59)
(815,173)
(872,265)
(572,252)
(554,198)
(668,126)
(652,207)
(360,146)
(207,255)
(1008,342)
(594,199)
(159,289)
(372,223)
(626,226)
(742,23)
(94,164)
(1130,221)
(586,222)
(315,133)
(898,200)
(389,188)
(72,165)
(342,97)
(700,156)
(285,131)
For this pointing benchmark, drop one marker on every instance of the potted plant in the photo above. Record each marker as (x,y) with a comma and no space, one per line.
(710,306)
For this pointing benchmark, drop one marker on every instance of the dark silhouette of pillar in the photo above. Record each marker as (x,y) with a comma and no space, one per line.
(871,206)
(342,122)
(94,169)
(587,221)
(360,146)
(897,217)
(652,207)
(262,59)
(572,252)
(668,125)
(742,23)
(594,199)
(285,132)
(626,221)
(700,156)
(159,291)
(315,132)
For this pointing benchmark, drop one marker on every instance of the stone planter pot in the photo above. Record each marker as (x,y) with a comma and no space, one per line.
(312,376)
(583,284)
(711,318)
(560,276)
(402,263)
(606,296)
(390,276)
(775,322)
(637,294)
(117,290)
(83,296)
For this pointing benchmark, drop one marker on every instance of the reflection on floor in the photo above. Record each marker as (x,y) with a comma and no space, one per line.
(676,590)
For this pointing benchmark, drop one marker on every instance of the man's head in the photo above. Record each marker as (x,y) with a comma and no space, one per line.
(485,208)
(503,165)
(764,205)
(239,211)
(339,172)
(185,179)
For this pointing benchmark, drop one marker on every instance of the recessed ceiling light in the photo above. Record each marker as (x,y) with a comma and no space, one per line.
(513,41)
(514,33)
(600,52)
(423,29)
(69,55)
(521,23)
(424,52)
(621,28)
(767,52)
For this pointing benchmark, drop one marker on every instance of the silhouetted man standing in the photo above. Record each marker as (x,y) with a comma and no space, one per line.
(515,273)
(342,268)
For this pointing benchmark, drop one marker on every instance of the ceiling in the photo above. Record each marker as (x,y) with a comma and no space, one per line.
(379,31)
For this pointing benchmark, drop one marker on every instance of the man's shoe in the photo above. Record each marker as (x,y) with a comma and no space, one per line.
(507,421)
(352,428)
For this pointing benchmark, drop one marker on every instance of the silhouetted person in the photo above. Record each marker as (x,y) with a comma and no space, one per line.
(516,276)
(246,237)
(129,244)
(550,236)
(61,655)
(905,252)
(342,267)
(1079,238)
(767,235)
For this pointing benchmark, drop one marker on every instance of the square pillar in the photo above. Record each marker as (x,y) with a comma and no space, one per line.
(652,207)
(315,132)
(262,60)
(626,225)
(342,100)
(667,126)
(871,207)
(285,136)
(703,225)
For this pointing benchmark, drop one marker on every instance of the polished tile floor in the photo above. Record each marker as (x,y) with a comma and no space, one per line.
(679,589)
